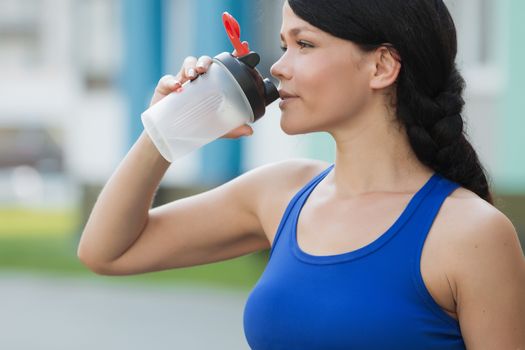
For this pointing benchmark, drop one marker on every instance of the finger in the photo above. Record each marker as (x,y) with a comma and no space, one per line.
(203,63)
(247,130)
(167,84)
(243,130)
(187,70)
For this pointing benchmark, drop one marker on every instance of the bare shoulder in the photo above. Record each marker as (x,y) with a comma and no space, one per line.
(287,173)
(275,184)
(277,180)
(470,218)
(475,233)
(466,220)
(487,268)
(269,183)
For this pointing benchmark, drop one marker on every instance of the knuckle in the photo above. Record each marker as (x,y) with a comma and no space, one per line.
(204,61)
(161,89)
(165,79)
(189,60)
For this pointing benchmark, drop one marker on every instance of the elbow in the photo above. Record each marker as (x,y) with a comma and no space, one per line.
(101,268)
(89,260)
(92,265)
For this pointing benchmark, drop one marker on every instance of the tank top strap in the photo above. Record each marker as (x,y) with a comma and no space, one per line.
(430,207)
(312,183)
(420,226)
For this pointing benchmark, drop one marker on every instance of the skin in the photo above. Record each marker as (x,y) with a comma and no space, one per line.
(472,262)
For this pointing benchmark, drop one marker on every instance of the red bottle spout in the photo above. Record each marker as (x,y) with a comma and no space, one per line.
(234,33)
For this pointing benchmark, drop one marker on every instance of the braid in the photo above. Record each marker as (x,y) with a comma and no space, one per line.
(435,130)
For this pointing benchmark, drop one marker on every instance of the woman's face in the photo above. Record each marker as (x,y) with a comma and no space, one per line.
(330,77)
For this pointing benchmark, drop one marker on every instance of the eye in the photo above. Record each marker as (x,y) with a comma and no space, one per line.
(303,45)
(300,43)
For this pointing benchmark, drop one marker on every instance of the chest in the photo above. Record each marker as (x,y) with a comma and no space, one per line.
(327,227)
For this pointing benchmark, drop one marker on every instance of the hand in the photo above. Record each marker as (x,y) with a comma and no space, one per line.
(191,68)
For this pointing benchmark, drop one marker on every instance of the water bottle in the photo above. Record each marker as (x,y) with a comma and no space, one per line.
(229,94)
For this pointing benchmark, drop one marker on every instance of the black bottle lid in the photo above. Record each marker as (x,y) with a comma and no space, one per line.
(259,92)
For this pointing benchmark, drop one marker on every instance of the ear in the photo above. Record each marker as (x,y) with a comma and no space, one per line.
(387,67)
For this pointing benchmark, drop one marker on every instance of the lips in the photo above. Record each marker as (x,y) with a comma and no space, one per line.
(285,94)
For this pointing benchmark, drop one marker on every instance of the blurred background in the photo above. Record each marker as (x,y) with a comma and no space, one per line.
(75,75)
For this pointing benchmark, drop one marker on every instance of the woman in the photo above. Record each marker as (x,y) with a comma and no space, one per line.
(397,245)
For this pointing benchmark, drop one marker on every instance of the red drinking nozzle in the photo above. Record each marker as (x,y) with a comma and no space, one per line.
(234,33)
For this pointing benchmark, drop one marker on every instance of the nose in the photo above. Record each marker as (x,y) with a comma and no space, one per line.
(280,69)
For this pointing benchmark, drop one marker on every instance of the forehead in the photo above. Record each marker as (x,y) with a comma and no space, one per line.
(292,24)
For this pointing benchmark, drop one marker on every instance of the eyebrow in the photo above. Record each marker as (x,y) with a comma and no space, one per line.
(296,31)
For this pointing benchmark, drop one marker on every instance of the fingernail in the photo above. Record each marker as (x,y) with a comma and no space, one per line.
(200,65)
(191,73)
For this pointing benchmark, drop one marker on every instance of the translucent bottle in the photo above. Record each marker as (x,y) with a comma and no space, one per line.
(231,93)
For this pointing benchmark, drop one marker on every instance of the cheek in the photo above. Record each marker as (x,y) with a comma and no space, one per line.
(317,84)
(338,95)
(309,81)
(331,92)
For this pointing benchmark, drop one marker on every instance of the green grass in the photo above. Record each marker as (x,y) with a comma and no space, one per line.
(16,222)
(43,243)
(57,256)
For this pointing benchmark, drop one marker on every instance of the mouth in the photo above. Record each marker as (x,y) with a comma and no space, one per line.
(287,100)
(285,95)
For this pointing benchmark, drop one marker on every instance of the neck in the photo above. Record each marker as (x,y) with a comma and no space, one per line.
(374,155)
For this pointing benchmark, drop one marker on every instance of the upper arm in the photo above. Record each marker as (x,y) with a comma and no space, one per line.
(220,224)
(215,225)
(490,279)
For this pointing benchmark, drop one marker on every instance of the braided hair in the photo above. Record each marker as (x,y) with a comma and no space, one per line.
(429,87)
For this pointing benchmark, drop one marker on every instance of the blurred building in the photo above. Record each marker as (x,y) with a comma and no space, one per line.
(61,115)
(76,74)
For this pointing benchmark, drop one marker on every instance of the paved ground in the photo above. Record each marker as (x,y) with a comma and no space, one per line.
(42,313)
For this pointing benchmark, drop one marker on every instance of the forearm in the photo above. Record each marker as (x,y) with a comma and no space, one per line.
(121,210)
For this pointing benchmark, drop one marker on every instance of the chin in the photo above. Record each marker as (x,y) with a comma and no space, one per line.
(292,133)
(295,128)
(287,127)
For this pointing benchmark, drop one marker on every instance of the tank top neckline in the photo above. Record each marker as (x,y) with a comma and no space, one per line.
(407,212)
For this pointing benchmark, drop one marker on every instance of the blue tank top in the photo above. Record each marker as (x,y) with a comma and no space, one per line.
(370,298)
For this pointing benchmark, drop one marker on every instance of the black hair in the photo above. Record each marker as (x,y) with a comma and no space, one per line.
(429,86)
